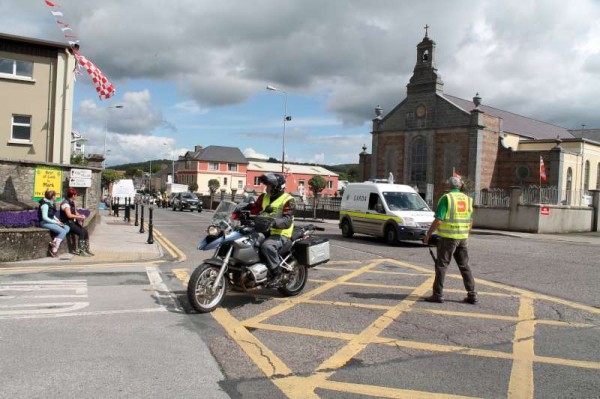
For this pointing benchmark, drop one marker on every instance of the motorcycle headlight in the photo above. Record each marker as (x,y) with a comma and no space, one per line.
(213,231)
(408,222)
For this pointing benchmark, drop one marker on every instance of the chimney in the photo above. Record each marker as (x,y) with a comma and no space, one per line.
(197,148)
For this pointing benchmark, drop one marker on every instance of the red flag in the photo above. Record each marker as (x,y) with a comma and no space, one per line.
(542,169)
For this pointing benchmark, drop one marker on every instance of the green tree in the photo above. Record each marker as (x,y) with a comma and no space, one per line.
(213,186)
(193,187)
(352,173)
(109,176)
(316,184)
(78,160)
(132,172)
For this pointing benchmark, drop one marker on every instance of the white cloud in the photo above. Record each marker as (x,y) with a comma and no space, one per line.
(251,153)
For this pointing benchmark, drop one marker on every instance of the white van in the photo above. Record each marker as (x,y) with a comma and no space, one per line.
(123,190)
(391,211)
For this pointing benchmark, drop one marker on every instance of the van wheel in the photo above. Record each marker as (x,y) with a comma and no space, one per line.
(391,235)
(347,229)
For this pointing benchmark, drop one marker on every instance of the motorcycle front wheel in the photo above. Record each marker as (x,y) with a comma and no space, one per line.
(296,279)
(203,291)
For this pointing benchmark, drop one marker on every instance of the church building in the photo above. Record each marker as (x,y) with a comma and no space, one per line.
(430,135)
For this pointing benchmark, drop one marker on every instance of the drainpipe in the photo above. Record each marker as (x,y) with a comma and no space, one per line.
(50,97)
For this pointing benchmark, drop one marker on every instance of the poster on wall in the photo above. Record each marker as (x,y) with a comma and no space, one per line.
(47,178)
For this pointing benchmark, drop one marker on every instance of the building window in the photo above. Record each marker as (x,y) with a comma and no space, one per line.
(586,178)
(257,180)
(21,128)
(567,200)
(418,153)
(188,164)
(329,184)
(410,116)
(16,68)
(301,182)
(240,184)
(224,181)
(232,167)
(213,166)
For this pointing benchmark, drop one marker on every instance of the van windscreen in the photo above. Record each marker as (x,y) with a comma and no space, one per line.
(399,201)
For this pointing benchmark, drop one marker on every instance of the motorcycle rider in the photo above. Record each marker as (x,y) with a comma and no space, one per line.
(277,206)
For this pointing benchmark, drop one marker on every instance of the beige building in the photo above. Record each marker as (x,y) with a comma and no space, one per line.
(36,99)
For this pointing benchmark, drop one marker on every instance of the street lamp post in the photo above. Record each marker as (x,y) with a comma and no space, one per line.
(106,127)
(150,180)
(286,118)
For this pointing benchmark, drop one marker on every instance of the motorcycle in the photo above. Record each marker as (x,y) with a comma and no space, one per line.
(236,238)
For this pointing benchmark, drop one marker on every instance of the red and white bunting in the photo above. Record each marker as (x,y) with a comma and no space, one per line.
(104,88)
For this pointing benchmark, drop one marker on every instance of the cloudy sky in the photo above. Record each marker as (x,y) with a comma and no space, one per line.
(194,72)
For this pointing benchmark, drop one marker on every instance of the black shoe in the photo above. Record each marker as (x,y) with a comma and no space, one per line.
(472,299)
(434,298)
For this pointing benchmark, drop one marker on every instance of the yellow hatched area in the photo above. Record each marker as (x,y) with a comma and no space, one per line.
(523,357)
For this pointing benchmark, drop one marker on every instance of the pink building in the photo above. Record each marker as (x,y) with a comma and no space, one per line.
(296,176)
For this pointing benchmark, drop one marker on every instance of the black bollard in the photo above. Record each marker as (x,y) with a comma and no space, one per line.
(128,210)
(136,215)
(150,235)
(142,221)
(117,208)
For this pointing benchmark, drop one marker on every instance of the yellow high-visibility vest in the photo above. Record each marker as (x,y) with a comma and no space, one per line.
(457,221)
(277,212)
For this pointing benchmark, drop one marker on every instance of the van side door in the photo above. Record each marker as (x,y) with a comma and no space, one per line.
(375,215)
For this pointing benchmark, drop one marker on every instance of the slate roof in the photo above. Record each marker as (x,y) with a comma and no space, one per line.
(513,123)
(591,134)
(217,153)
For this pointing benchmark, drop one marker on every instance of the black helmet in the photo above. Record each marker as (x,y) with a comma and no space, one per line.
(276,181)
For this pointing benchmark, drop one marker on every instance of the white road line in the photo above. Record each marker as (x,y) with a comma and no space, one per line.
(41,308)
(97,313)
(165,297)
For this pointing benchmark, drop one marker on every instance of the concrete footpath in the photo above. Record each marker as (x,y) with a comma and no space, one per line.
(112,240)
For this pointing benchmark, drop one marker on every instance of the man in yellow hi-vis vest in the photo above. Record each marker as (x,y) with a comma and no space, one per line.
(278,206)
(453,221)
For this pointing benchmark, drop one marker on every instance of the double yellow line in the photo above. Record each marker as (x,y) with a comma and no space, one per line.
(169,246)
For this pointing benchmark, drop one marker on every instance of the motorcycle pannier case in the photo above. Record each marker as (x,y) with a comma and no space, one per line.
(312,251)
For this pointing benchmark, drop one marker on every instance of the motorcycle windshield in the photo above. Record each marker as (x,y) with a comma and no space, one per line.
(223,212)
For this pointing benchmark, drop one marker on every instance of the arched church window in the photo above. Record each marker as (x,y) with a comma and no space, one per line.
(425,56)
(418,157)
(586,178)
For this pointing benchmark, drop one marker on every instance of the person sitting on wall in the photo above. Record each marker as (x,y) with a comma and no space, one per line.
(48,220)
(70,217)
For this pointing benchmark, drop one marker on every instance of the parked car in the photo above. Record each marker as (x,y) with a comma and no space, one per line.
(186,201)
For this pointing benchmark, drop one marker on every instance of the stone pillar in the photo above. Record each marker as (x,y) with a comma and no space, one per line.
(476,150)
(596,206)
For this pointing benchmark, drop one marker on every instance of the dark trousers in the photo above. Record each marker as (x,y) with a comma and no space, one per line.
(446,248)
(79,230)
(270,250)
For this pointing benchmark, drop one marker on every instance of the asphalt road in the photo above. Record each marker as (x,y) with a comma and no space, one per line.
(359,329)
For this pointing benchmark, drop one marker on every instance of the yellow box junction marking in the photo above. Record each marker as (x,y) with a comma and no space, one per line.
(521,384)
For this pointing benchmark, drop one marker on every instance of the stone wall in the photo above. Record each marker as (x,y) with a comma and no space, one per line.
(17,180)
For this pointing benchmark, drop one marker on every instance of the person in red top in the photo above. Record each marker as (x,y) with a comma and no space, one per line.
(277,207)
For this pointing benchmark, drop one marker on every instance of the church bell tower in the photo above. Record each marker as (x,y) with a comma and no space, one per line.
(425,77)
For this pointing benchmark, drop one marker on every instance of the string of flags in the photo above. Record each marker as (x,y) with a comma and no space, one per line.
(542,169)
(104,88)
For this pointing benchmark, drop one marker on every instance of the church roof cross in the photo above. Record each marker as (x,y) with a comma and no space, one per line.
(426,27)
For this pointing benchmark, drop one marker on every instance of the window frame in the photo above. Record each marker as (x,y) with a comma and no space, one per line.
(329,184)
(12,129)
(232,167)
(211,166)
(14,74)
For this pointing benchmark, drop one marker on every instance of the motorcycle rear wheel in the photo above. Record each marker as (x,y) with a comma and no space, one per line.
(199,290)
(296,281)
